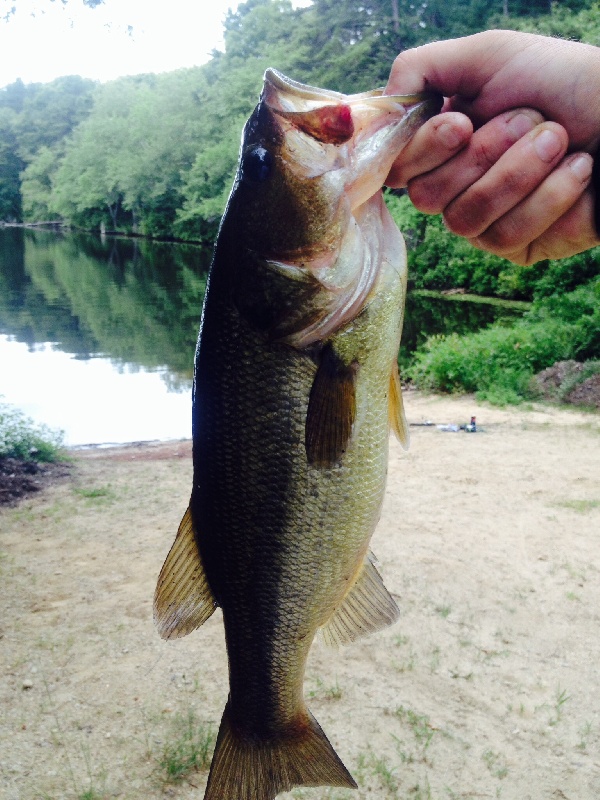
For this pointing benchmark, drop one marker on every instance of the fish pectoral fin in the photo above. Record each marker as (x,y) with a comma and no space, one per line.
(331,410)
(250,768)
(183,599)
(368,607)
(396,409)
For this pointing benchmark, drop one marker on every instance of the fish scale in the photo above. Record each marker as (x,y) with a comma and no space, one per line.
(295,389)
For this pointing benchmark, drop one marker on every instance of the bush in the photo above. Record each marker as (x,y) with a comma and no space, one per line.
(499,362)
(21,438)
(579,309)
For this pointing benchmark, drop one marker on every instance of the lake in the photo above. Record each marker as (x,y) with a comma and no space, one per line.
(97,335)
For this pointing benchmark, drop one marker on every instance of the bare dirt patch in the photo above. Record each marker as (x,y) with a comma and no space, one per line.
(19,478)
(487,687)
(564,382)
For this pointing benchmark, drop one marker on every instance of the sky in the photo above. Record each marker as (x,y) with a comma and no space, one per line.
(45,39)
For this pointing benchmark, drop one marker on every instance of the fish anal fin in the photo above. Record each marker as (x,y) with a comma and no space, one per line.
(331,410)
(367,607)
(183,599)
(250,768)
(396,409)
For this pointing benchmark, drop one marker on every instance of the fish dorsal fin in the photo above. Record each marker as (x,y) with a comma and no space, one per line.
(183,600)
(331,410)
(366,608)
(396,409)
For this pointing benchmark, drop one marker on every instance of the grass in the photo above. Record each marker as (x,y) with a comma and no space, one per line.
(408,664)
(584,733)
(323,692)
(96,495)
(92,494)
(581,506)
(21,438)
(381,768)
(560,699)
(420,727)
(495,764)
(189,750)
(61,741)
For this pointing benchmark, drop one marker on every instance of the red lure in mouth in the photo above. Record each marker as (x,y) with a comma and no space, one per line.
(330,124)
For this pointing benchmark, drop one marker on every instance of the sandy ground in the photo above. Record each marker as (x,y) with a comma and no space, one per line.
(488,687)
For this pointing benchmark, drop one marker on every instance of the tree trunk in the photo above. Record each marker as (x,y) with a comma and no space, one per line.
(396,17)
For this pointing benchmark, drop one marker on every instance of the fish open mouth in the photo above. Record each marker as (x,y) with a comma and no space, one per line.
(287,95)
(366,118)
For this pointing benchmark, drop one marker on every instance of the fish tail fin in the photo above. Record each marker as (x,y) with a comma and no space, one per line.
(250,768)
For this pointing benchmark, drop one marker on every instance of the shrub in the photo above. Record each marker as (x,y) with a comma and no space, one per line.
(21,438)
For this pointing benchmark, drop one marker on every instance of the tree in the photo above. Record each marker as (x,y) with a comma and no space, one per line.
(156,154)
(10,167)
(582,25)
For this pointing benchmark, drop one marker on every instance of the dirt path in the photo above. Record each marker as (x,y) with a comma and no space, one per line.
(488,687)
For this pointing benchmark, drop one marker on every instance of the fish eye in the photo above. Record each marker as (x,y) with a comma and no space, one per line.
(256,165)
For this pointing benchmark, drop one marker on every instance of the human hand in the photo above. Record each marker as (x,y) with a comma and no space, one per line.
(510,187)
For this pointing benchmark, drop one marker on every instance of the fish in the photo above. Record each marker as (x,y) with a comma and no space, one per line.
(296,388)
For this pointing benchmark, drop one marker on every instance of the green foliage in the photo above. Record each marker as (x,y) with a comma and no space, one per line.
(576,20)
(499,362)
(11,165)
(189,748)
(156,154)
(427,314)
(50,112)
(35,120)
(580,311)
(439,260)
(21,438)
(564,275)
(123,166)
(36,185)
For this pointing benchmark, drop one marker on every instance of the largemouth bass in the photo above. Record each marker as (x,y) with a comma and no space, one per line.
(295,389)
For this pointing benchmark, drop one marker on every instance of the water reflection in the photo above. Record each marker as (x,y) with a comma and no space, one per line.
(132,300)
(92,400)
(97,337)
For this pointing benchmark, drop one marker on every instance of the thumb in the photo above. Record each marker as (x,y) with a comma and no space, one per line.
(453,67)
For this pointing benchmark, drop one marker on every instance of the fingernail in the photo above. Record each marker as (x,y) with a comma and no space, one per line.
(547,145)
(521,124)
(581,166)
(449,136)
